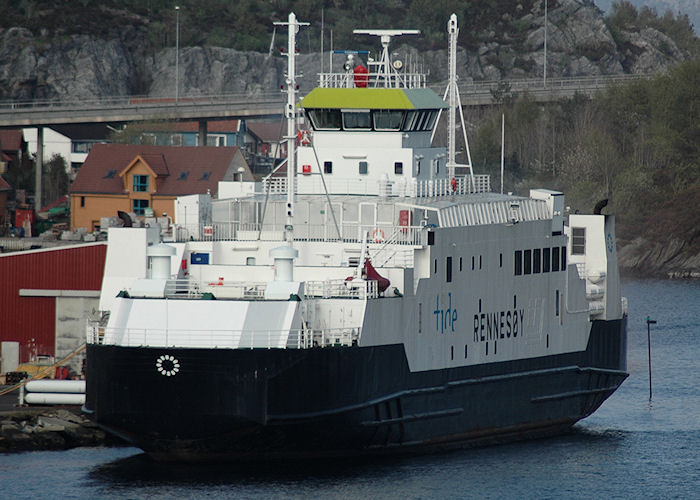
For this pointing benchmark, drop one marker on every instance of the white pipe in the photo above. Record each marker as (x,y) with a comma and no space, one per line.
(53,398)
(68,386)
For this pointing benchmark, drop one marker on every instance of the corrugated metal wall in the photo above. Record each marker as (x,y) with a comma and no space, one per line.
(31,320)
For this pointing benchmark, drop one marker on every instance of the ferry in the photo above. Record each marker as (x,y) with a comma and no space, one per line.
(373,296)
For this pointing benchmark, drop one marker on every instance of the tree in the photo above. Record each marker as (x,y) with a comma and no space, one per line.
(57,179)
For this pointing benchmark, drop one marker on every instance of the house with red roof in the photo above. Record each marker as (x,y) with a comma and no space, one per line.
(138,178)
(266,138)
(186,133)
(5,189)
(13,150)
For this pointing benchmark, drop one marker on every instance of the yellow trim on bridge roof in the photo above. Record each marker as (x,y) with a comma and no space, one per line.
(372,98)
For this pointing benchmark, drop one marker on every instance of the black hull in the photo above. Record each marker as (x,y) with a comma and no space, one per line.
(225,403)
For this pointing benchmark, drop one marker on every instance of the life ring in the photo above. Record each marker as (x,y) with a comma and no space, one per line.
(378,235)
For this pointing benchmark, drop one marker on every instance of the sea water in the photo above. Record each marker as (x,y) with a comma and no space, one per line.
(630,448)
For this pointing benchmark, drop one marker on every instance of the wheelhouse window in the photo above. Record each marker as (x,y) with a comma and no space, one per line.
(578,240)
(141,183)
(430,122)
(420,120)
(385,119)
(536,260)
(411,119)
(325,119)
(139,206)
(357,120)
(388,120)
(555,259)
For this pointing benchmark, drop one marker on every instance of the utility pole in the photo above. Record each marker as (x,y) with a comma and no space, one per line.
(544,74)
(177,53)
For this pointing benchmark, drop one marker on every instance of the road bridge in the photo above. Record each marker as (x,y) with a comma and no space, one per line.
(204,108)
(47,112)
(481,93)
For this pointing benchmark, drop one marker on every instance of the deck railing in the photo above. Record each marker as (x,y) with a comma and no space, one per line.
(223,339)
(372,80)
(412,188)
(349,232)
(341,289)
(188,288)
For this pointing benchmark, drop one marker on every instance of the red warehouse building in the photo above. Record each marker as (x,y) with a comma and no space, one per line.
(46,296)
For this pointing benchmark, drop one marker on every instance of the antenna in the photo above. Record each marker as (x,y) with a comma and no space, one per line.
(385,61)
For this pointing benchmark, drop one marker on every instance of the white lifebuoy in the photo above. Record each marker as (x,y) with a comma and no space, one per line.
(378,235)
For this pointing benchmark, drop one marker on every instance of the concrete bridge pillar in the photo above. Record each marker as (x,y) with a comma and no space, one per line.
(39,167)
(202,132)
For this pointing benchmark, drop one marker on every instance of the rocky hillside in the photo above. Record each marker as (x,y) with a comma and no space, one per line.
(124,62)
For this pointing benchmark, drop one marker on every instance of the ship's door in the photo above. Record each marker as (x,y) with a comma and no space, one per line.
(333,209)
(368,218)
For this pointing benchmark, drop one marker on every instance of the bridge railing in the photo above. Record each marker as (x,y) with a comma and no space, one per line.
(136,101)
(584,83)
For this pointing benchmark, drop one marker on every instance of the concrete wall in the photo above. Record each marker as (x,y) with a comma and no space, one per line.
(71,316)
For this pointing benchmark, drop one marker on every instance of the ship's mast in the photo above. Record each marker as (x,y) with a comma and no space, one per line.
(290,114)
(453,31)
(454,101)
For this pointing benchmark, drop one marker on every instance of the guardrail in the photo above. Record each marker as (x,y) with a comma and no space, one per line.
(223,339)
(350,232)
(142,101)
(372,80)
(193,289)
(332,289)
(188,288)
(428,188)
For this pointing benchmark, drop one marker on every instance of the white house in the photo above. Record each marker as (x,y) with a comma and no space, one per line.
(72,142)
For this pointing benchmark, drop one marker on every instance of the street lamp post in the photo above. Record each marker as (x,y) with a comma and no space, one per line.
(649,323)
(544,73)
(177,53)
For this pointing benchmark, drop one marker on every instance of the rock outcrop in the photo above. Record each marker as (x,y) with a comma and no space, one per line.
(77,67)
(674,258)
(123,63)
(48,429)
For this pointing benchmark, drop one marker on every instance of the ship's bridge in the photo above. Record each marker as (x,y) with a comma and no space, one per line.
(370,136)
